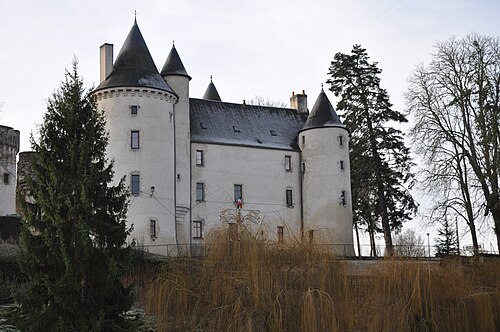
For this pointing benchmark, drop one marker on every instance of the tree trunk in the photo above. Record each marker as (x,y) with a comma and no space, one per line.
(357,237)
(373,248)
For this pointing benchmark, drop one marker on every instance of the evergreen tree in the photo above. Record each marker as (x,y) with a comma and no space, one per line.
(381,165)
(73,240)
(446,243)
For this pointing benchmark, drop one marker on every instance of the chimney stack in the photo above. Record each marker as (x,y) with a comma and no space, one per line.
(299,102)
(106,55)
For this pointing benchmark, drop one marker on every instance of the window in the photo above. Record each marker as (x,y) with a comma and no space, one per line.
(200,191)
(6,178)
(238,192)
(134,139)
(199,158)
(280,234)
(311,236)
(197,229)
(202,125)
(341,165)
(133,109)
(135,187)
(288,163)
(303,167)
(341,140)
(343,198)
(289,198)
(236,129)
(273,132)
(152,228)
(303,139)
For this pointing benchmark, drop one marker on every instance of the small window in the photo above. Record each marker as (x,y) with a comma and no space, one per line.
(238,192)
(273,132)
(303,167)
(197,229)
(289,198)
(341,140)
(288,163)
(200,191)
(199,158)
(303,140)
(6,178)
(152,228)
(280,234)
(341,165)
(343,198)
(134,139)
(311,236)
(236,129)
(202,125)
(133,109)
(135,184)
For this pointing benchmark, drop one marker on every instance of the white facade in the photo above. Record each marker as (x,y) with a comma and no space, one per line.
(192,157)
(9,148)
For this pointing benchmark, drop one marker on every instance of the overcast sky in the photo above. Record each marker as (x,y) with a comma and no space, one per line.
(260,47)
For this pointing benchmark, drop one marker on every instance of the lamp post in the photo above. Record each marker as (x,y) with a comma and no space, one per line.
(428,245)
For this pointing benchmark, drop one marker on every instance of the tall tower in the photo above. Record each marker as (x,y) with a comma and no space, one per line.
(139,109)
(9,148)
(177,78)
(326,181)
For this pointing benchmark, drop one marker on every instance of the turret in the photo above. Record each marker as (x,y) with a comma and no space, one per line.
(176,76)
(211,93)
(139,109)
(326,183)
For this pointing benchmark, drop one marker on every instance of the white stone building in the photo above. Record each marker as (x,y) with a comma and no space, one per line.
(9,148)
(191,162)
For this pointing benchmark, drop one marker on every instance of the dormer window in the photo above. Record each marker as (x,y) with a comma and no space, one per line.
(236,129)
(273,132)
(202,125)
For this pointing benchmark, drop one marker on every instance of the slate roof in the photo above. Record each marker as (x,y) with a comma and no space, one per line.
(244,125)
(211,92)
(134,66)
(322,114)
(173,65)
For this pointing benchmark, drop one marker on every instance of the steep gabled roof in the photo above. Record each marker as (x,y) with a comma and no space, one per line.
(211,92)
(134,66)
(244,125)
(322,114)
(173,65)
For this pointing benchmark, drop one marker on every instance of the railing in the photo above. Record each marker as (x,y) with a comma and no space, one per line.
(341,250)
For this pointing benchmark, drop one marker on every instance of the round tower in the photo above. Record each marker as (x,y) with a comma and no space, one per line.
(176,76)
(139,109)
(326,181)
(9,148)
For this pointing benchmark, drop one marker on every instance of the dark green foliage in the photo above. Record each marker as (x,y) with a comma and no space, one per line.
(446,243)
(10,226)
(73,241)
(380,162)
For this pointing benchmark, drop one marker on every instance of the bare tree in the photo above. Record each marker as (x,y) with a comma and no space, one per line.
(409,244)
(261,101)
(455,102)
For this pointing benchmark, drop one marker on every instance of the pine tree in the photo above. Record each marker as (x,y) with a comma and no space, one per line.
(446,243)
(381,165)
(73,240)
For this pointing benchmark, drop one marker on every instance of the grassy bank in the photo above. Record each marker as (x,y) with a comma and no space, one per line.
(247,285)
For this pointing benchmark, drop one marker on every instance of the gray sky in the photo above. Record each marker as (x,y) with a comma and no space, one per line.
(261,47)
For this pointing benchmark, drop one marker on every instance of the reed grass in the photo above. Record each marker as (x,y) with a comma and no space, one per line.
(246,284)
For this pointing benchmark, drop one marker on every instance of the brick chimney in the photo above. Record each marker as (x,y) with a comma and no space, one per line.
(106,55)
(299,102)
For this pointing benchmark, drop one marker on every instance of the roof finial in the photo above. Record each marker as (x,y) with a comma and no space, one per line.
(135,17)
(173,43)
(210,78)
(322,88)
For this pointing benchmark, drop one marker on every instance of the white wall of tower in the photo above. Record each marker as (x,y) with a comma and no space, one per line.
(153,161)
(9,148)
(326,213)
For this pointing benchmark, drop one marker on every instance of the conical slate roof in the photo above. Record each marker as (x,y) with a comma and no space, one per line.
(211,92)
(134,66)
(173,65)
(322,114)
